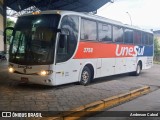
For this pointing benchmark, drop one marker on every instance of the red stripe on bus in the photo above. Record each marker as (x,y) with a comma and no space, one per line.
(102,50)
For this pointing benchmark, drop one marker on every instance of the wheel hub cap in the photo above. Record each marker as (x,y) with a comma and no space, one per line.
(85,76)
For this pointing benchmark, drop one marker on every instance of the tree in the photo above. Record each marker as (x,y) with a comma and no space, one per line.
(156,50)
(9,23)
(156,47)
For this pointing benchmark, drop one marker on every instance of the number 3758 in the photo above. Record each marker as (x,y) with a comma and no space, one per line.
(88,50)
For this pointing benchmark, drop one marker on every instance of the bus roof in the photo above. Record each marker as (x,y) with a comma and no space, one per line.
(91,16)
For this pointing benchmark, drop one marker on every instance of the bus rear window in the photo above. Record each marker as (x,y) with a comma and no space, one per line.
(145,40)
(150,39)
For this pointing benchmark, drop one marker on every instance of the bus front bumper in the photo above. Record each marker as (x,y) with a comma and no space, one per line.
(36,79)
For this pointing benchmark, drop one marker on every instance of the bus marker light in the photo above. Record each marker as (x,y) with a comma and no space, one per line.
(58,12)
(36,13)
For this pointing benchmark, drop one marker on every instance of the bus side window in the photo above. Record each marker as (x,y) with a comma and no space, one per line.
(117,34)
(104,32)
(88,30)
(137,37)
(128,38)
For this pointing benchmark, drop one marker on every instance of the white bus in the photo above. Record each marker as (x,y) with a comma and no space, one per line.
(59,47)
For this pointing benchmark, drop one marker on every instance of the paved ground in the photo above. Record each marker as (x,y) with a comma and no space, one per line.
(30,97)
(149,103)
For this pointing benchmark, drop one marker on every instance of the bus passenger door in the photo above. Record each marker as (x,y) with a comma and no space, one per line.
(66,72)
(98,67)
(66,67)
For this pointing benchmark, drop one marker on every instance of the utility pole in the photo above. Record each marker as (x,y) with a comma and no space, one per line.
(129,17)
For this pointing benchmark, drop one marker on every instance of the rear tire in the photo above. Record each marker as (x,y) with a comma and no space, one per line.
(85,76)
(138,69)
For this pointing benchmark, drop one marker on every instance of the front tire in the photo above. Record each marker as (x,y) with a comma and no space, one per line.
(85,76)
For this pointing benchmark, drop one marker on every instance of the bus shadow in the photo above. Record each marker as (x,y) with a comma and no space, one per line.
(32,86)
(118,77)
(109,78)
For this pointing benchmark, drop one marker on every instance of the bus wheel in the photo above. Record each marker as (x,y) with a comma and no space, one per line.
(85,76)
(138,69)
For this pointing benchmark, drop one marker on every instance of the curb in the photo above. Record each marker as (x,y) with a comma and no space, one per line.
(94,107)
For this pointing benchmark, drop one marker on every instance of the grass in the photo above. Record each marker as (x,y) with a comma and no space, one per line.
(156,62)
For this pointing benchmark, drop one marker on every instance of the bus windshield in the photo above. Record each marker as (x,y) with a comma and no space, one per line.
(33,41)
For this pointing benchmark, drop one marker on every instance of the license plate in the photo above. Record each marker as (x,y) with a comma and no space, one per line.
(24,79)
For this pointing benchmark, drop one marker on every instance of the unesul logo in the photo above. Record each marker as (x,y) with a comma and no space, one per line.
(129,50)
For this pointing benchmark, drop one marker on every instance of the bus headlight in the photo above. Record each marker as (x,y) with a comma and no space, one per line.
(46,72)
(11,69)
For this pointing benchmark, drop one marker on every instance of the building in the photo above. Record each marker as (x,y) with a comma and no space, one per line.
(33,5)
(1,27)
(157,34)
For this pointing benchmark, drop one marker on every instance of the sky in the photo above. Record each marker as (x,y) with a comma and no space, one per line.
(143,13)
